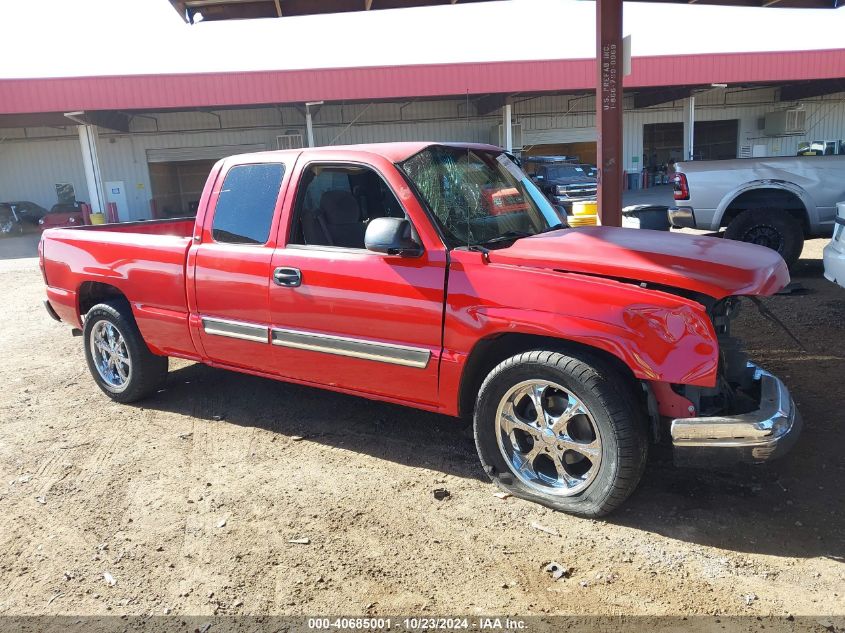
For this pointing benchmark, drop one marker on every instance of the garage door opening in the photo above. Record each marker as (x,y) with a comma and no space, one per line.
(714,140)
(178,175)
(177,186)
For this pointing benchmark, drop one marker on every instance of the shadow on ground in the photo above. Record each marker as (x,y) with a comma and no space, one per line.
(382,430)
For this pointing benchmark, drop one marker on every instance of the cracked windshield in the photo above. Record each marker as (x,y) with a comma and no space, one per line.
(480,198)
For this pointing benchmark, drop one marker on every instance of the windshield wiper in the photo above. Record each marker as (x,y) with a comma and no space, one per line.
(506,237)
(512,236)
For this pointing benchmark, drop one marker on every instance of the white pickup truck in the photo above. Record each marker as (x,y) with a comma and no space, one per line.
(776,202)
(834,253)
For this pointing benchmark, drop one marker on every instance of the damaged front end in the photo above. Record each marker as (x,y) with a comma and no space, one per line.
(748,416)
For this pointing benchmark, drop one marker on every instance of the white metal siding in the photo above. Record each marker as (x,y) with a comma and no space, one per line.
(29,170)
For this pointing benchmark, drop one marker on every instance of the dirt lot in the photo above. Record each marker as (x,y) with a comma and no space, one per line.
(189,501)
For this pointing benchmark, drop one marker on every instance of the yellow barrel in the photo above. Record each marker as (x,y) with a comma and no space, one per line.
(582,220)
(98,218)
(585,207)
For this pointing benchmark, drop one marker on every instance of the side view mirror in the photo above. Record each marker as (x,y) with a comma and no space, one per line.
(391,236)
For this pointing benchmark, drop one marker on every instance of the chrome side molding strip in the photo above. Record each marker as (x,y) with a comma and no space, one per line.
(325,343)
(235,329)
(353,347)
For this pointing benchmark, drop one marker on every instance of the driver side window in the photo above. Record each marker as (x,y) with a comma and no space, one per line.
(334,204)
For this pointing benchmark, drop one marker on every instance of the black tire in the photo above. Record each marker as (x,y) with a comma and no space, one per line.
(146,371)
(773,228)
(617,413)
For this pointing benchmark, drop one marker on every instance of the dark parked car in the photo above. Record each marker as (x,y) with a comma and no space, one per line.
(562,180)
(27,211)
(10,223)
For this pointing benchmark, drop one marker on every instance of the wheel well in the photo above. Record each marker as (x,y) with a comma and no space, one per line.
(767,198)
(93,292)
(491,351)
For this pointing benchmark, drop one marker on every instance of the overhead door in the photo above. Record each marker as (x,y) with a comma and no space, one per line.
(209,152)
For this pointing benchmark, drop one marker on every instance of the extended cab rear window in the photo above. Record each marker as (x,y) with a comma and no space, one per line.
(247,200)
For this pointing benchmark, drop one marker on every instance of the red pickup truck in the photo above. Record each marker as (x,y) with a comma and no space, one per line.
(383,271)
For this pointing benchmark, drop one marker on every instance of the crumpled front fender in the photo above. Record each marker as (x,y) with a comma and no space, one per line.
(670,344)
(660,336)
(679,344)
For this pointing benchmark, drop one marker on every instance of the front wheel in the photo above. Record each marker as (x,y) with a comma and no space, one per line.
(119,360)
(564,431)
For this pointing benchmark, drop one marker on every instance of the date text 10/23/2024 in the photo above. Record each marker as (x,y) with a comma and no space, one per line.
(416,624)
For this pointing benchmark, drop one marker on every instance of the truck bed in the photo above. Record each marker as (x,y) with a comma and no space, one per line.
(181,227)
(144,261)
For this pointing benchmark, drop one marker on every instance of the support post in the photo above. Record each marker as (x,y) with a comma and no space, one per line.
(91,164)
(689,129)
(309,126)
(609,109)
(507,126)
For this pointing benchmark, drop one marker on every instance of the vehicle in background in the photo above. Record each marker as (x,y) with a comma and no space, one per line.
(384,271)
(27,212)
(834,253)
(562,179)
(591,170)
(10,223)
(821,148)
(62,214)
(774,202)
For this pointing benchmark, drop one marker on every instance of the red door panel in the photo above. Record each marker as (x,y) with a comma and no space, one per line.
(360,320)
(231,284)
(231,279)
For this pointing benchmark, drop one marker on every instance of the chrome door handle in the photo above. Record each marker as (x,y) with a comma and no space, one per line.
(288,277)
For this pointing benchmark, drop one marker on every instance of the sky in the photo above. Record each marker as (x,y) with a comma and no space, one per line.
(60,38)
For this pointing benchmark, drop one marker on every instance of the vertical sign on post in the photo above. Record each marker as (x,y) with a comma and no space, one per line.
(609,107)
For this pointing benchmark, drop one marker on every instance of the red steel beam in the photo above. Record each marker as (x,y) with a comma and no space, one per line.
(609,109)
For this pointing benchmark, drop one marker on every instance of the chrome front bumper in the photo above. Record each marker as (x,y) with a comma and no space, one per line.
(754,437)
(566,201)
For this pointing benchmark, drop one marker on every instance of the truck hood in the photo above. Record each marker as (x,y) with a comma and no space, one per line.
(713,266)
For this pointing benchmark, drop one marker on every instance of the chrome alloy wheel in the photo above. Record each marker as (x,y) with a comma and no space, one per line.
(548,437)
(111,357)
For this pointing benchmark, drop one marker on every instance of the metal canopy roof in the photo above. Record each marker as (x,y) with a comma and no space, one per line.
(231,89)
(212,10)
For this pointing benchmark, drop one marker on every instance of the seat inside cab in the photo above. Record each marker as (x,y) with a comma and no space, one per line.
(336,202)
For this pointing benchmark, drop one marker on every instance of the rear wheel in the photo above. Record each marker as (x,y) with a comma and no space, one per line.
(773,228)
(564,431)
(119,360)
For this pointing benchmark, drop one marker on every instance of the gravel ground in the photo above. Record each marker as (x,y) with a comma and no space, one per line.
(227,494)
